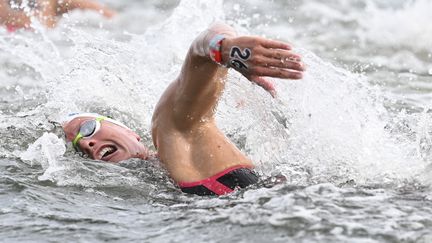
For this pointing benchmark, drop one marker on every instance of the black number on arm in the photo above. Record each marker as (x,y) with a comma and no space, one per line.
(236,52)
(237,64)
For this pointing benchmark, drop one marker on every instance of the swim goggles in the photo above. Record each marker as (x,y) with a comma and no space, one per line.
(90,128)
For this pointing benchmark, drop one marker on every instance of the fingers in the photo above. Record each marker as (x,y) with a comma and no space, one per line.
(277,73)
(265,84)
(281,55)
(108,13)
(275,44)
(278,63)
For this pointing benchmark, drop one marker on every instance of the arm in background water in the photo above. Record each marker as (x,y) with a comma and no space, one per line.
(13,19)
(47,11)
(18,18)
(50,10)
(68,5)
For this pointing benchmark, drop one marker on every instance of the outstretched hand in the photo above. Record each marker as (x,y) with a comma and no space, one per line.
(256,58)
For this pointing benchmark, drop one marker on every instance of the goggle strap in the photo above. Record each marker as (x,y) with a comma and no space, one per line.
(77,138)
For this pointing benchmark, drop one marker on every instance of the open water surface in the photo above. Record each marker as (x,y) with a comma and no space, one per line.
(353,137)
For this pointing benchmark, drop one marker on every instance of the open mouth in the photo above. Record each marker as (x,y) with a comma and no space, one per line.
(106,152)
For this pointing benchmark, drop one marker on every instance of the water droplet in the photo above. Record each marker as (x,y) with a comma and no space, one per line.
(430,71)
(19,90)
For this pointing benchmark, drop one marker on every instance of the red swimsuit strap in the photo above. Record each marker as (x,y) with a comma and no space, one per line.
(11,28)
(212,184)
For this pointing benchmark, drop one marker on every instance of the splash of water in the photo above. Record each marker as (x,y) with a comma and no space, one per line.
(331,126)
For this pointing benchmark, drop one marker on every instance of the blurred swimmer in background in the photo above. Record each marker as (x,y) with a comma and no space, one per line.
(15,15)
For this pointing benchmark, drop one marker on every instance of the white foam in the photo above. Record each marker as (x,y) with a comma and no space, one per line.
(329,125)
(45,151)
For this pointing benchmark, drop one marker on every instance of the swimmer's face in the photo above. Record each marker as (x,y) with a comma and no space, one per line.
(110,143)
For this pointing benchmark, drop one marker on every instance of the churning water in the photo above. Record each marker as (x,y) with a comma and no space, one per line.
(353,137)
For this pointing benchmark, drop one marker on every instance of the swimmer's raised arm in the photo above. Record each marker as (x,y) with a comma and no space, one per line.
(184,131)
(202,79)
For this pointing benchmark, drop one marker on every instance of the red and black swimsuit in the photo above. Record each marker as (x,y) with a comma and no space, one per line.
(223,182)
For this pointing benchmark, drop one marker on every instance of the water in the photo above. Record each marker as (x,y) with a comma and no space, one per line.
(353,137)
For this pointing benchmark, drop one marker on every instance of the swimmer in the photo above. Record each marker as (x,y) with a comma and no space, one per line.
(47,12)
(195,153)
